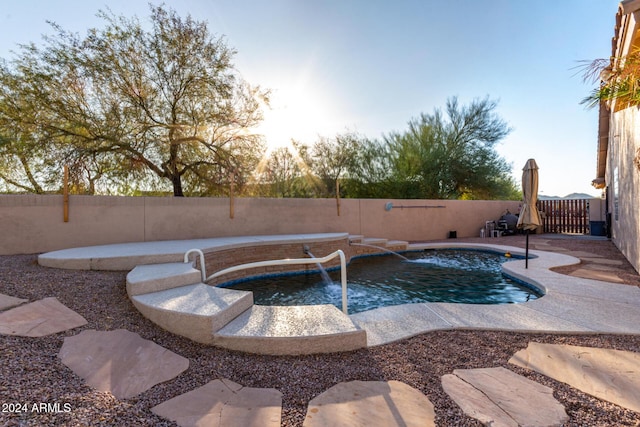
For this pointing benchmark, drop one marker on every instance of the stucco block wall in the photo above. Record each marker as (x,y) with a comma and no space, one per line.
(623,182)
(34,223)
(175,218)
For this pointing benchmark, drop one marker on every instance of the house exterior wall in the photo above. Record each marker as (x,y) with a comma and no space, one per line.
(34,223)
(623,183)
(622,175)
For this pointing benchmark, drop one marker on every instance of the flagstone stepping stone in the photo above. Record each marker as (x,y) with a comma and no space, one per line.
(371,404)
(224,403)
(500,397)
(7,301)
(611,375)
(120,362)
(44,317)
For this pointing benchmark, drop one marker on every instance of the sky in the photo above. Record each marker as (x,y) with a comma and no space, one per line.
(370,66)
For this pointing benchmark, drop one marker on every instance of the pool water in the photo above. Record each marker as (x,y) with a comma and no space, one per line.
(453,276)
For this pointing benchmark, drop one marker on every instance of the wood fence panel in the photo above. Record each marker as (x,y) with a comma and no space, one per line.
(565,216)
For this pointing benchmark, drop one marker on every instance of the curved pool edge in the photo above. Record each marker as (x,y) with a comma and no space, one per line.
(569,305)
(539,265)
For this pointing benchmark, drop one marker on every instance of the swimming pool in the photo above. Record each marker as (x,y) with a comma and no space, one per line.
(433,275)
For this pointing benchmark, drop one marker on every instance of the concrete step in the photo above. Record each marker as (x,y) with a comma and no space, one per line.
(145,279)
(355,238)
(291,330)
(193,311)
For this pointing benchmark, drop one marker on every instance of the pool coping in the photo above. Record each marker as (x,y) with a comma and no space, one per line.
(570,304)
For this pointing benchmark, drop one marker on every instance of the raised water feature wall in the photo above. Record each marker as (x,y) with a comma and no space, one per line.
(216,260)
(221,259)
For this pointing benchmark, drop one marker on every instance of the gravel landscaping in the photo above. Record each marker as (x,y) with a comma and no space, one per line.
(32,373)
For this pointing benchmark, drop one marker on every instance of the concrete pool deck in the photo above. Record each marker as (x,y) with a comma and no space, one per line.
(570,304)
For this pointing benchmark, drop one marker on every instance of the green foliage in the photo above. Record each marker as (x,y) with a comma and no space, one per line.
(160,109)
(331,159)
(285,174)
(439,156)
(368,175)
(618,78)
(450,157)
(125,102)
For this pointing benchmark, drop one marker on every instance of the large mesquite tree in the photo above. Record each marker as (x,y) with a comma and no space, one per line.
(128,101)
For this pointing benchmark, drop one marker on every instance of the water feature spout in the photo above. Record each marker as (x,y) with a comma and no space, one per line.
(381,248)
(325,276)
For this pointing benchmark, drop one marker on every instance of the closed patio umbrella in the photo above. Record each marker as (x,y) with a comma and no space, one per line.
(529,218)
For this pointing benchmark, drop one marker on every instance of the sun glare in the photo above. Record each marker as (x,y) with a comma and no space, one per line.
(296,113)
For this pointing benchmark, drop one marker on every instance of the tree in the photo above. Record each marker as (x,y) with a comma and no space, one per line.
(20,153)
(332,158)
(368,173)
(452,157)
(285,174)
(16,170)
(128,101)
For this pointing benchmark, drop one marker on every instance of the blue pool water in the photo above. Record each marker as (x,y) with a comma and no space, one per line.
(454,276)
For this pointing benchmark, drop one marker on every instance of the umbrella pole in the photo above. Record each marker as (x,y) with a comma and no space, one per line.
(526,253)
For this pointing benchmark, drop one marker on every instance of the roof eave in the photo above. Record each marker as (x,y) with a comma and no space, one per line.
(629,6)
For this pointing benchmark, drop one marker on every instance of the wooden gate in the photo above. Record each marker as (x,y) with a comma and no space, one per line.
(565,216)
